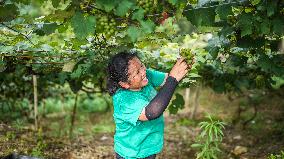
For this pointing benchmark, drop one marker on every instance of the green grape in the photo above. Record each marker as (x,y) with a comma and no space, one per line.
(147,5)
(106,25)
(187,54)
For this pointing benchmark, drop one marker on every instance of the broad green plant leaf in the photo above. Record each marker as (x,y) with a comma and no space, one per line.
(278,82)
(133,32)
(265,26)
(138,14)
(223,11)
(271,7)
(201,16)
(8,12)
(83,26)
(177,103)
(123,7)
(49,28)
(147,26)
(245,24)
(278,26)
(107,5)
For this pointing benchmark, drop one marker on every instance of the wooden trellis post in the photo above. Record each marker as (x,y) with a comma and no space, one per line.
(35,101)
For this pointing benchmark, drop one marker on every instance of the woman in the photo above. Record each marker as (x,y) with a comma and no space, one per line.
(138,108)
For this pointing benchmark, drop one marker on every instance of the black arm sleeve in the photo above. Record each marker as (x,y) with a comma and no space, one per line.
(159,103)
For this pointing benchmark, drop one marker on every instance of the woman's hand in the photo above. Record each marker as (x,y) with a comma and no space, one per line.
(180,69)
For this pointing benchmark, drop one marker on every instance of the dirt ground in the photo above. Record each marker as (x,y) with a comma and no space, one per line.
(262,136)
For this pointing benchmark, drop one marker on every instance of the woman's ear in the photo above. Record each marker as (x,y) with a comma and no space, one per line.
(124,85)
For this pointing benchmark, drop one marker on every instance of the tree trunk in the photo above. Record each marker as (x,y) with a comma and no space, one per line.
(196,102)
(186,99)
(35,101)
(73,117)
(43,109)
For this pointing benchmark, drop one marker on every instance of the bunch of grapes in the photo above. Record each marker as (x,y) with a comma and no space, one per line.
(187,54)
(260,81)
(106,25)
(147,5)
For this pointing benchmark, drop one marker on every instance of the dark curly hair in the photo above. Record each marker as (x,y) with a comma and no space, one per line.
(118,70)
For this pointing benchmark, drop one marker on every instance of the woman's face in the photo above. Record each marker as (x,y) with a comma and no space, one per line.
(136,74)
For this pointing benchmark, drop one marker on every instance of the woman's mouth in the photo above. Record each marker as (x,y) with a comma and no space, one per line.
(145,80)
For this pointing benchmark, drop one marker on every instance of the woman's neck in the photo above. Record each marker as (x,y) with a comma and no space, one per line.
(135,89)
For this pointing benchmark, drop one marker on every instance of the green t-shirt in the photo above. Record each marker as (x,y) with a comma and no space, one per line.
(134,138)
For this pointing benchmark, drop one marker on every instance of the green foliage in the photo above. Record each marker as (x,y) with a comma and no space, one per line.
(41,37)
(7,12)
(202,16)
(210,138)
(10,135)
(107,5)
(276,156)
(103,128)
(279,81)
(134,33)
(95,104)
(123,7)
(83,26)
(176,104)
(38,150)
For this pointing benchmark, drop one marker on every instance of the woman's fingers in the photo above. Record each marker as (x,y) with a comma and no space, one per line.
(180,60)
(180,69)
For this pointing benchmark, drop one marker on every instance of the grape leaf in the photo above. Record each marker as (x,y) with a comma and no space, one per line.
(268,65)
(123,7)
(107,5)
(219,85)
(265,26)
(49,28)
(62,76)
(278,26)
(223,11)
(8,12)
(271,6)
(80,70)
(138,15)
(83,26)
(177,103)
(277,82)
(245,24)
(147,26)
(201,16)
(133,32)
